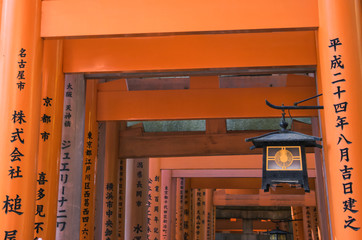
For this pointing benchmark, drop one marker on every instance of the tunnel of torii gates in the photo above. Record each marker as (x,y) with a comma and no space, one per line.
(72,169)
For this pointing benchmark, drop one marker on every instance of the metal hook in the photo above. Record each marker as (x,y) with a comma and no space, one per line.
(295,106)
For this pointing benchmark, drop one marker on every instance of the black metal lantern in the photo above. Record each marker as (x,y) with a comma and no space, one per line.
(278,234)
(284,159)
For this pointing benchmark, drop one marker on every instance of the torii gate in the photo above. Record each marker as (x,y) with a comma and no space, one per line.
(41,40)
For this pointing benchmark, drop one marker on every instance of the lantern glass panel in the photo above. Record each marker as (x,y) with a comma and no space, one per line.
(282,237)
(284,158)
(278,236)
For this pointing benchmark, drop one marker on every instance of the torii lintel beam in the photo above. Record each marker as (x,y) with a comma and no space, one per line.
(191,52)
(77,18)
(199,103)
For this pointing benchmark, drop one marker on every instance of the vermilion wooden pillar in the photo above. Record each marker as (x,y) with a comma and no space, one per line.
(209,214)
(121,199)
(321,196)
(297,217)
(49,140)
(70,169)
(199,214)
(20,90)
(339,48)
(154,199)
(136,199)
(187,210)
(89,163)
(110,188)
(100,172)
(310,224)
(166,221)
(180,205)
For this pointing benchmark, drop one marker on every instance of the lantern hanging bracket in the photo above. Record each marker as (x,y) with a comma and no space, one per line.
(295,106)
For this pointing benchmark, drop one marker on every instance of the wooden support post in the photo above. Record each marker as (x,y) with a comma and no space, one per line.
(110,188)
(89,163)
(172,209)
(340,61)
(180,205)
(98,231)
(20,91)
(320,185)
(154,199)
(199,214)
(187,210)
(297,217)
(122,199)
(209,214)
(166,205)
(136,199)
(310,224)
(49,140)
(71,156)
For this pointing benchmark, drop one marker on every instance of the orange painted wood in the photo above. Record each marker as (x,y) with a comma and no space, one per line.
(167,220)
(298,228)
(338,20)
(220,173)
(112,17)
(122,199)
(240,183)
(154,198)
(109,226)
(171,83)
(49,151)
(193,52)
(204,82)
(200,104)
(221,162)
(321,192)
(187,220)
(180,206)
(188,144)
(119,85)
(20,30)
(90,158)
(222,198)
(136,198)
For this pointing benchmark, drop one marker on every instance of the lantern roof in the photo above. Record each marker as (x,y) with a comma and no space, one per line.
(277,231)
(284,137)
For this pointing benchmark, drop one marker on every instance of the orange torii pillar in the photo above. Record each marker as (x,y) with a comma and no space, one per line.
(310,223)
(121,198)
(110,188)
(87,211)
(20,91)
(166,204)
(199,214)
(71,156)
(297,217)
(136,199)
(49,140)
(180,205)
(98,222)
(187,227)
(154,199)
(339,45)
(209,214)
